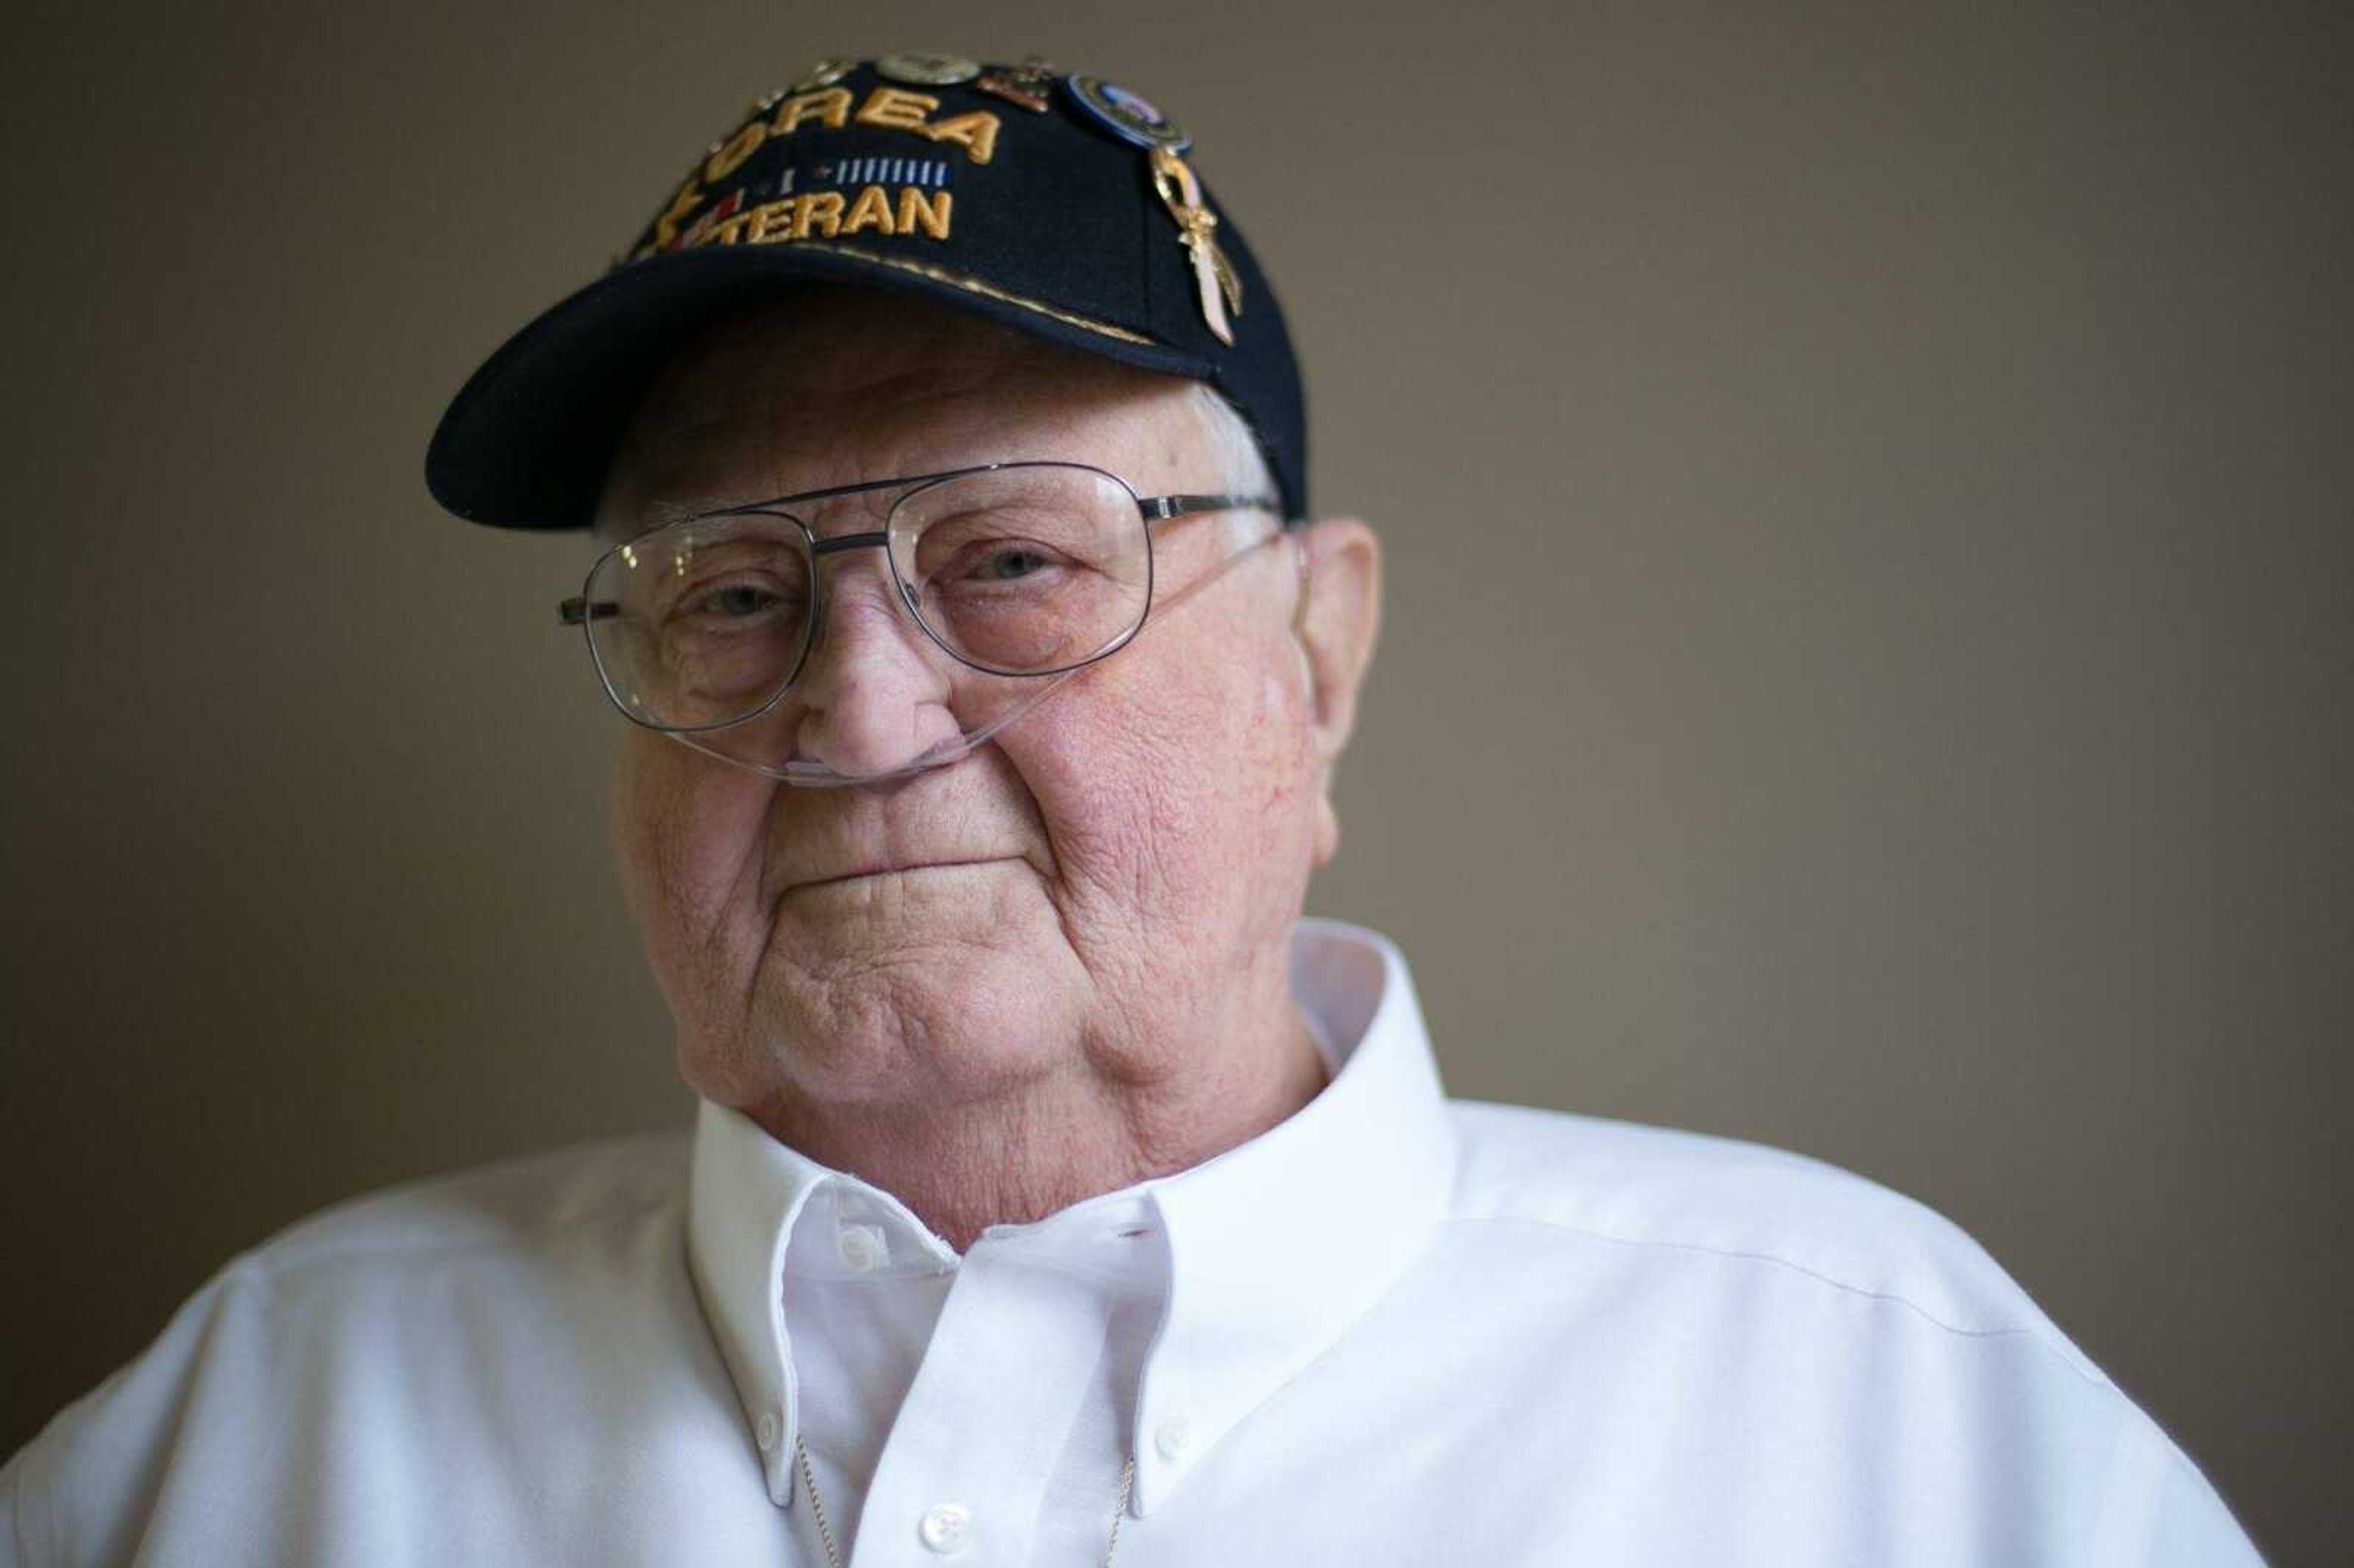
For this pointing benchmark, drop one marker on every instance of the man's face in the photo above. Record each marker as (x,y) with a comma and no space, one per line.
(1115,875)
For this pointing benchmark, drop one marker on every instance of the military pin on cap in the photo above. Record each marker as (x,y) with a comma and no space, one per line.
(1127,115)
(1214,276)
(919,69)
(1030,85)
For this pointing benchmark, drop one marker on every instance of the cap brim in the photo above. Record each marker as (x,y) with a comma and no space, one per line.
(528,440)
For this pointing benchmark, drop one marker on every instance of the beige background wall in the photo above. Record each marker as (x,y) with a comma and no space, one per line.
(1867,663)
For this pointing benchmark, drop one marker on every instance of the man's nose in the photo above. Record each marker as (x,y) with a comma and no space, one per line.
(873,693)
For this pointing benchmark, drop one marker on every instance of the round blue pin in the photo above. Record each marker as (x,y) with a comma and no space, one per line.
(1128,115)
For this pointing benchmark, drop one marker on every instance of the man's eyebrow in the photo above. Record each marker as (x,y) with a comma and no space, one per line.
(662,511)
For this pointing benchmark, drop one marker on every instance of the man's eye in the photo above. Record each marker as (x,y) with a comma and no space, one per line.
(733,602)
(1009,562)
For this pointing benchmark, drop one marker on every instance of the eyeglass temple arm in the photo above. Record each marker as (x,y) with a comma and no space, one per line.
(1160,508)
(579,611)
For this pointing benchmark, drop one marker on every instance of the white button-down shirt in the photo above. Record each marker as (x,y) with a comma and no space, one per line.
(1394,1330)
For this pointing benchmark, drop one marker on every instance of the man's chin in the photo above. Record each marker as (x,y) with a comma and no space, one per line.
(956,977)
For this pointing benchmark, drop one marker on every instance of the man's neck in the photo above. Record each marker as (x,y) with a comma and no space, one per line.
(964,1168)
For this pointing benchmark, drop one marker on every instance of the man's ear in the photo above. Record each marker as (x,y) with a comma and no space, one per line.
(1340,613)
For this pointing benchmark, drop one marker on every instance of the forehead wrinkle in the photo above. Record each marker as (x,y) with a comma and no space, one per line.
(774,444)
(739,407)
(791,397)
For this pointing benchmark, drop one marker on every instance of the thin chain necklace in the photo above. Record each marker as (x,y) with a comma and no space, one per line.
(825,1531)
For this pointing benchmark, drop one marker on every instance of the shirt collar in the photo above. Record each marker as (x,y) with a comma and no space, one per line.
(747,1199)
(1275,1247)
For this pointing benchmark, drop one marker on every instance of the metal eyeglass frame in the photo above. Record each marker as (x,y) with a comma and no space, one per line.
(580,611)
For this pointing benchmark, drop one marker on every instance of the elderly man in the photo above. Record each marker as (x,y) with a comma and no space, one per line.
(1059,1195)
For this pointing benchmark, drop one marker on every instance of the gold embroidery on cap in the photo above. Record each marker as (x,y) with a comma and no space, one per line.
(888,107)
(730,157)
(771,221)
(829,107)
(816,207)
(917,208)
(682,207)
(986,291)
(976,132)
(930,213)
(871,210)
(896,108)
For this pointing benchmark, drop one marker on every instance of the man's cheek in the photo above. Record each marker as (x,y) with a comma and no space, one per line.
(690,834)
(1117,856)
(1127,821)
(637,837)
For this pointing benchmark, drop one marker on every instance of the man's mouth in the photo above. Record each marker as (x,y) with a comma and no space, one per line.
(880,870)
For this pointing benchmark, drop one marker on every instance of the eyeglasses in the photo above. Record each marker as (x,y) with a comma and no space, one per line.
(1011,568)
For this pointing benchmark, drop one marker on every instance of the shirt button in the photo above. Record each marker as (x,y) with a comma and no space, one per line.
(770,1430)
(945,1529)
(861,1247)
(1173,1436)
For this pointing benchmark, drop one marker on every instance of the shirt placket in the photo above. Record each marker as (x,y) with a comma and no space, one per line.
(988,1418)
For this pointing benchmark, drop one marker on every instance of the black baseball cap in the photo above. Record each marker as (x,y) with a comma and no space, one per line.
(1055,203)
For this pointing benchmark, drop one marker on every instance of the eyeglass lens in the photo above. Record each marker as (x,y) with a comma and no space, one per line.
(1021,570)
